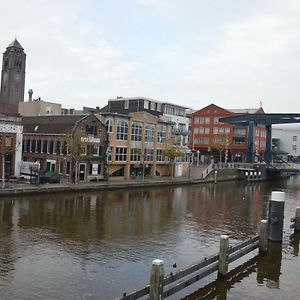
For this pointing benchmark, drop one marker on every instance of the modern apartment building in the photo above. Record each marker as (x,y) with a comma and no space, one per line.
(137,144)
(213,138)
(169,112)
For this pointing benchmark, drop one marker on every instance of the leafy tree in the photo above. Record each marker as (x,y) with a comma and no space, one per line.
(172,151)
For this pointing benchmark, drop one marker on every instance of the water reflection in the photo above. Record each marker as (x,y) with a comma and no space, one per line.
(112,237)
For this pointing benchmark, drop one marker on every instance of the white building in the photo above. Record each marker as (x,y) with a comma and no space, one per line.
(11,133)
(287,138)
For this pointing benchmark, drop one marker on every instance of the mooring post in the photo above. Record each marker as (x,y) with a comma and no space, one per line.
(276,216)
(263,236)
(157,280)
(223,256)
(297,219)
(216,176)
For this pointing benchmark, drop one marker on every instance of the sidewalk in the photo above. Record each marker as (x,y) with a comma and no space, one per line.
(26,188)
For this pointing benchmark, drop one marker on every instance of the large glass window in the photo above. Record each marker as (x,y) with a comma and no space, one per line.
(149,133)
(160,155)
(122,130)
(121,154)
(135,155)
(136,131)
(108,125)
(148,155)
(161,134)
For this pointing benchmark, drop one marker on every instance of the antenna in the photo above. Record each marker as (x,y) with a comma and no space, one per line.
(260,104)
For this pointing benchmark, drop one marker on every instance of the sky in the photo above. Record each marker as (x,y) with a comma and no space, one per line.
(232,53)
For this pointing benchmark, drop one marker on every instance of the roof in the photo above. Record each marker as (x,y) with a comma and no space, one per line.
(50,124)
(246,110)
(147,99)
(15,44)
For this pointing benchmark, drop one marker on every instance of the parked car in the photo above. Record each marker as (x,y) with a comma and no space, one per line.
(48,177)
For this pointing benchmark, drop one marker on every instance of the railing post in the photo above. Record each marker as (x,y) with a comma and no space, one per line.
(263,237)
(216,177)
(223,256)
(157,280)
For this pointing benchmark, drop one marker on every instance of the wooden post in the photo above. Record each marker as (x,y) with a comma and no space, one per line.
(157,280)
(223,256)
(297,219)
(263,236)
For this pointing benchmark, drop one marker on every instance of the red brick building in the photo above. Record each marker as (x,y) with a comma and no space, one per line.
(213,138)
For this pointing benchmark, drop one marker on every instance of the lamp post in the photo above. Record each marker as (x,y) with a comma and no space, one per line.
(198,154)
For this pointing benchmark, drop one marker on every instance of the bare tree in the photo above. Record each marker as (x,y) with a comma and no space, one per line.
(172,151)
(8,146)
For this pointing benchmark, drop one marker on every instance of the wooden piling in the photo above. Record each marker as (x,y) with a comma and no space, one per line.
(263,236)
(223,256)
(156,280)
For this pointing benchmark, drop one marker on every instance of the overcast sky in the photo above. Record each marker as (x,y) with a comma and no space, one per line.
(190,52)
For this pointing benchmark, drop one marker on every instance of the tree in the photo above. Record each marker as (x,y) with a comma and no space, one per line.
(172,151)
(8,146)
(73,144)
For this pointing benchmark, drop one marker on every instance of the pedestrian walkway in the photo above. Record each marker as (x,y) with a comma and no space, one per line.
(26,188)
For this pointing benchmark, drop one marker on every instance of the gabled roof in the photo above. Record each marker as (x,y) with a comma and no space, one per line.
(50,124)
(15,44)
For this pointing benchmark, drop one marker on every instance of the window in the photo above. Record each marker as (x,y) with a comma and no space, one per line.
(61,167)
(149,133)
(201,130)
(33,146)
(38,146)
(294,138)
(158,106)
(206,130)
(294,147)
(126,104)
(136,131)
(146,104)
(216,130)
(216,120)
(161,134)
(240,131)
(68,168)
(197,120)
(92,150)
(160,155)
(207,120)
(135,155)
(109,153)
(45,147)
(57,148)
(204,141)
(108,125)
(221,130)
(121,154)
(152,105)
(91,129)
(122,130)
(148,155)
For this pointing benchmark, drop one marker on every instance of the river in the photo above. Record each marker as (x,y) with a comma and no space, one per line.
(98,245)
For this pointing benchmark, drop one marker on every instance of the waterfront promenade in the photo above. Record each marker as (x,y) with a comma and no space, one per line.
(26,188)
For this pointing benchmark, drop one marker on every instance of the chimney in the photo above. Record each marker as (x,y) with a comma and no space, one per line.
(30,92)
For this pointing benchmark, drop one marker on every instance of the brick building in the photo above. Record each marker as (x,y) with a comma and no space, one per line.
(220,140)
(68,144)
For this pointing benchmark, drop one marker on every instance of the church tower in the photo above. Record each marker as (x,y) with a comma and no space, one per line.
(12,78)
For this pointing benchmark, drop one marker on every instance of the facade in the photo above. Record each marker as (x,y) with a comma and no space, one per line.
(11,131)
(39,107)
(287,139)
(12,78)
(72,145)
(168,112)
(137,144)
(229,142)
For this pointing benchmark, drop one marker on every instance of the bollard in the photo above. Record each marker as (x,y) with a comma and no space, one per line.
(276,216)
(216,173)
(157,280)
(263,237)
(223,256)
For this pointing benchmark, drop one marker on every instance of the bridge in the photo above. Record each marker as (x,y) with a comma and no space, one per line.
(267,120)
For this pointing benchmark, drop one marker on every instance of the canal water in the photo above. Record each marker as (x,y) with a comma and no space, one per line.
(99,245)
